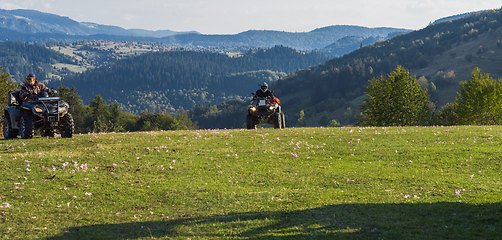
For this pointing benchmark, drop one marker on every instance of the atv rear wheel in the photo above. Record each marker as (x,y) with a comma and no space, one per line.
(8,132)
(26,126)
(250,122)
(277,120)
(68,127)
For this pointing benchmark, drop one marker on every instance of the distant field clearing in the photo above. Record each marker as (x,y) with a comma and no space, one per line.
(71,67)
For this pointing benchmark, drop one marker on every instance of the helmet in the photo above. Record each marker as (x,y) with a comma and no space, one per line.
(263,86)
(43,94)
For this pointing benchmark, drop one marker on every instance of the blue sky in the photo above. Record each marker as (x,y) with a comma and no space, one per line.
(234,16)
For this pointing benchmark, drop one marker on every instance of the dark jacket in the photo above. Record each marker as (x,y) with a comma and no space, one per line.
(29,92)
(268,93)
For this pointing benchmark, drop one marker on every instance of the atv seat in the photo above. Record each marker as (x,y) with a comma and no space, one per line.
(14,99)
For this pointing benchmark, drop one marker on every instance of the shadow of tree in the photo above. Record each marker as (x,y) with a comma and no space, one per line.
(344,221)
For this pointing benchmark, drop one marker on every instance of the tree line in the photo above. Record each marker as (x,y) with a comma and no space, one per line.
(99,116)
(398,100)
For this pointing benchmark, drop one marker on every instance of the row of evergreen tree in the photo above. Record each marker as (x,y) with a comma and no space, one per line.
(99,116)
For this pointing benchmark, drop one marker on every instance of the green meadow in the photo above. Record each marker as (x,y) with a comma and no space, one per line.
(295,183)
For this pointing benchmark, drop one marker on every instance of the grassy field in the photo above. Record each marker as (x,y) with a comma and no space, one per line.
(305,183)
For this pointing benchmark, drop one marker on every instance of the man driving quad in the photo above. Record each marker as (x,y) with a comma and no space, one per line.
(265,92)
(32,88)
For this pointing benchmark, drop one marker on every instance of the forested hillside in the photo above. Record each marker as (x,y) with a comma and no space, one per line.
(443,53)
(173,80)
(19,59)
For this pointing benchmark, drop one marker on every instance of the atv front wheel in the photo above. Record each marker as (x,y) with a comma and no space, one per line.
(8,132)
(68,127)
(277,120)
(26,126)
(250,122)
(283,122)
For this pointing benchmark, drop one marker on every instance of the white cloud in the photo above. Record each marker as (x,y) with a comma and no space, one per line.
(8,6)
(25,4)
(233,16)
(128,17)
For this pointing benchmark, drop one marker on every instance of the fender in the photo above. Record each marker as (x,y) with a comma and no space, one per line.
(25,109)
(26,106)
(13,113)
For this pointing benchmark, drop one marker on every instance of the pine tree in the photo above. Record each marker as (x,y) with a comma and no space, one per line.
(5,86)
(77,108)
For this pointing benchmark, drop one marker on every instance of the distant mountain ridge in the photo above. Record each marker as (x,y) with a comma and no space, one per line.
(351,43)
(453,17)
(34,26)
(32,21)
(316,39)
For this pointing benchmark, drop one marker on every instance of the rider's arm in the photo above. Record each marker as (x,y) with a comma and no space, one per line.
(24,93)
(43,87)
(270,94)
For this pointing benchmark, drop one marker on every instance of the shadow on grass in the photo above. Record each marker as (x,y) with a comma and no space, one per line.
(344,221)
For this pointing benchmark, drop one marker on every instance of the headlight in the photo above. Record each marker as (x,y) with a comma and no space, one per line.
(63,109)
(253,109)
(271,108)
(38,110)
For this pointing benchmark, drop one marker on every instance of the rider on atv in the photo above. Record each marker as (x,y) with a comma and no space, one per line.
(31,108)
(265,92)
(265,108)
(31,89)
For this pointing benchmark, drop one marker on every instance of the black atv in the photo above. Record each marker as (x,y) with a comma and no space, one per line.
(47,113)
(262,110)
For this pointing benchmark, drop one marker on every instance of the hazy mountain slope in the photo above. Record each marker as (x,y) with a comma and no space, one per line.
(32,21)
(315,39)
(348,44)
(452,17)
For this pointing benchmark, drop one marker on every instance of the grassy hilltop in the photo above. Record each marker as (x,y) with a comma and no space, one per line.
(365,183)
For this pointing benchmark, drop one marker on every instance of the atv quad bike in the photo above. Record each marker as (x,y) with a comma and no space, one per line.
(45,113)
(263,110)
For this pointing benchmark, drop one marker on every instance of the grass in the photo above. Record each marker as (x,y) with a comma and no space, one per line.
(315,183)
